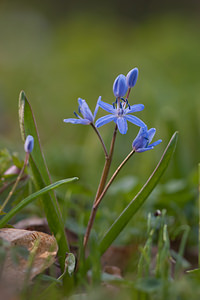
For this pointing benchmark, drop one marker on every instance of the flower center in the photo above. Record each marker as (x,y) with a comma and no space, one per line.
(120,112)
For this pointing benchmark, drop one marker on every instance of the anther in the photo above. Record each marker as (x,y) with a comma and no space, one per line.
(75,114)
(127,103)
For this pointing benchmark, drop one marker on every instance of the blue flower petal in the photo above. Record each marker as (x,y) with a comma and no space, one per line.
(85,111)
(142,139)
(151,133)
(156,143)
(134,108)
(109,108)
(140,150)
(77,121)
(122,125)
(97,107)
(104,120)
(135,120)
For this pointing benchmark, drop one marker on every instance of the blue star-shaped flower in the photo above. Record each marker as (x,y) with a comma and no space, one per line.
(120,115)
(83,108)
(143,139)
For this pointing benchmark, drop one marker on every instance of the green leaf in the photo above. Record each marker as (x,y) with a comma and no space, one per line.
(119,224)
(42,177)
(31,198)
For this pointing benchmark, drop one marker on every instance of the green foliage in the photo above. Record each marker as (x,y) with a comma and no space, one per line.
(139,199)
(55,64)
(42,177)
(31,198)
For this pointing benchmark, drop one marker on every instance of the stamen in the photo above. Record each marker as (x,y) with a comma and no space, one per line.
(128,104)
(114,104)
(79,109)
(76,114)
(120,104)
(123,100)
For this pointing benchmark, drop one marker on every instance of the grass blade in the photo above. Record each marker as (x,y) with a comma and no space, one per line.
(42,178)
(140,198)
(31,198)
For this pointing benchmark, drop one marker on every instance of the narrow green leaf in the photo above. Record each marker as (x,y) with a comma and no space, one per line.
(140,198)
(42,178)
(31,198)
(199,217)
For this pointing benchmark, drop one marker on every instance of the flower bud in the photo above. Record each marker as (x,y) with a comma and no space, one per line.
(119,86)
(131,77)
(29,144)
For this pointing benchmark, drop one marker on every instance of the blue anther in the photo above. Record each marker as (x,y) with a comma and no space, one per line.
(128,103)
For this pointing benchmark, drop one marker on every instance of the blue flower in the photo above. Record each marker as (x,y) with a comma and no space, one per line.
(119,86)
(29,144)
(120,115)
(131,77)
(83,108)
(143,139)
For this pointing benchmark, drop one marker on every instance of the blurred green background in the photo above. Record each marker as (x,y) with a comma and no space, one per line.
(57,51)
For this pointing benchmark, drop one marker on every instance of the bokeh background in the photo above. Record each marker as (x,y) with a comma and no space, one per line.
(57,51)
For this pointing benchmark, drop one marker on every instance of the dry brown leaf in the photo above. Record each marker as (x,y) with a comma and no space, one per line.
(40,224)
(45,254)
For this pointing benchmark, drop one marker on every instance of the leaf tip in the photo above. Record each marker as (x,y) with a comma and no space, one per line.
(22,95)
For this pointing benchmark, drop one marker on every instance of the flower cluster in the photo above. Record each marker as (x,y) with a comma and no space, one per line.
(120,112)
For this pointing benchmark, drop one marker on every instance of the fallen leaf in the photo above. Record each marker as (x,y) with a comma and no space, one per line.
(45,254)
(40,224)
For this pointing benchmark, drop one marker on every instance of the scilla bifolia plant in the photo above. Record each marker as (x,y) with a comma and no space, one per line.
(120,112)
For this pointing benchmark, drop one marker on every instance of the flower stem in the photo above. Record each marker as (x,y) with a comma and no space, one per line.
(106,166)
(101,140)
(128,93)
(16,183)
(113,177)
(100,187)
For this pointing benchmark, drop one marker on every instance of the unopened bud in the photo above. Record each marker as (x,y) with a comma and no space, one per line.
(29,144)
(119,86)
(131,77)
